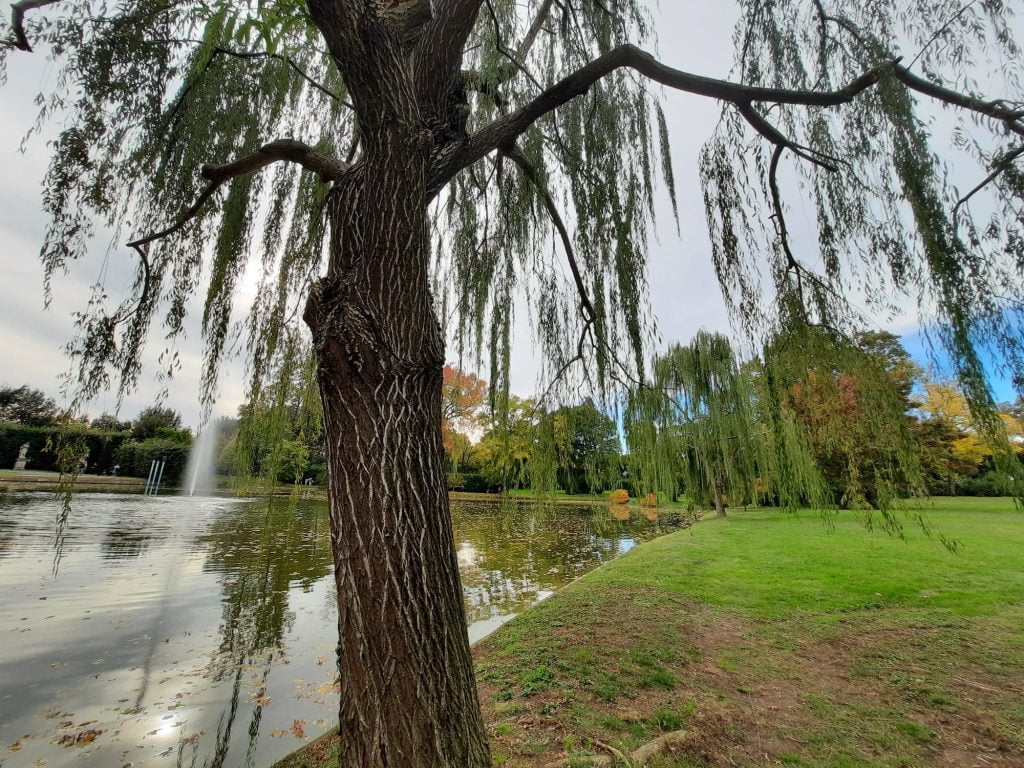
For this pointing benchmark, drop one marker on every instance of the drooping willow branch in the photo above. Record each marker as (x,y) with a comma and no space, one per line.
(328,168)
(997,109)
(287,61)
(516,156)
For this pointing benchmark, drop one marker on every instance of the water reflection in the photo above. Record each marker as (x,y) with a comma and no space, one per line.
(201,633)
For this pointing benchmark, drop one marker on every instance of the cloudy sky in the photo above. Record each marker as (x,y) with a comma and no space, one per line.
(693,36)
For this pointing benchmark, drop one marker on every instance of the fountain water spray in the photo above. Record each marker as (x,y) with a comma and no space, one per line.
(201,459)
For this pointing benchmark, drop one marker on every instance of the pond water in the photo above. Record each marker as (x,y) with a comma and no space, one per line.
(171,631)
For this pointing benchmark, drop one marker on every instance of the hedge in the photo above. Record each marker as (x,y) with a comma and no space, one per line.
(136,458)
(102,446)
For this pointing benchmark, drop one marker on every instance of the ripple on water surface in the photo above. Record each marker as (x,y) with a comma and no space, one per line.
(158,631)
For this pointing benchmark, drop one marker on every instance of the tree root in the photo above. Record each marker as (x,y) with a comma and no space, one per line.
(638,757)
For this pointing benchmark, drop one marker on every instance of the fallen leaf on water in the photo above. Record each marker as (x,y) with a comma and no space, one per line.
(277,733)
(298,729)
(79,739)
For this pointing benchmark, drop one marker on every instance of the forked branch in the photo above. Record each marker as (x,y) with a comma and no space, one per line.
(504,131)
(328,168)
(19,39)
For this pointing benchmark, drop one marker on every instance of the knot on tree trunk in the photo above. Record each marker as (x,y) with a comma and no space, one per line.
(339,315)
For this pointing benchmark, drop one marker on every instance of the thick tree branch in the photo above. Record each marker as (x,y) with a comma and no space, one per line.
(328,168)
(534,31)
(503,131)
(19,37)
(441,45)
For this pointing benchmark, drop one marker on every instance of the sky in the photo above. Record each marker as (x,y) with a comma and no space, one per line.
(693,36)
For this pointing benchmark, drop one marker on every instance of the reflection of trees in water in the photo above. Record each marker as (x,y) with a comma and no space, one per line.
(260,557)
(509,553)
(124,543)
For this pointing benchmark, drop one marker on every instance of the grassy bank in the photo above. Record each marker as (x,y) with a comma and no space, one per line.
(774,640)
(31,480)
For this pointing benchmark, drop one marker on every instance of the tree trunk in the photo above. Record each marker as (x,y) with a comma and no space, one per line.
(408,694)
(719,491)
(719,503)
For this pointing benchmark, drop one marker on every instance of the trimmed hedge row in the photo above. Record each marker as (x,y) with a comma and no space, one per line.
(135,458)
(106,449)
(102,446)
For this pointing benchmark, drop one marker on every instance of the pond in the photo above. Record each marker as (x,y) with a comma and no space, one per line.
(170,631)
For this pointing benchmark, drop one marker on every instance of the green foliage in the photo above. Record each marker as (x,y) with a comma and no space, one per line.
(582,445)
(46,444)
(154,419)
(280,433)
(27,406)
(697,425)
(136,457)
(505,450)
(108,422)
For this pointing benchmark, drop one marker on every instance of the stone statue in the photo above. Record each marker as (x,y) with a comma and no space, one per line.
(19,465)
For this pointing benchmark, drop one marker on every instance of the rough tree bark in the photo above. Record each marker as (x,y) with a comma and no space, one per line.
(408,696)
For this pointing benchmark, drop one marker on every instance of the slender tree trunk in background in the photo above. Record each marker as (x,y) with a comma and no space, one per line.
(719,504)
(408,695)
(718,487)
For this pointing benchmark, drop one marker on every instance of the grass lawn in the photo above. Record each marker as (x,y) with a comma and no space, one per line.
(774,639)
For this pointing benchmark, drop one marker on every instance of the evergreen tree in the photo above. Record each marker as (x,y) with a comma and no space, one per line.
(442,140)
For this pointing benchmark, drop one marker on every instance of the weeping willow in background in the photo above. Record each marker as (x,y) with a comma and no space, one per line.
(152,90)
(699,417)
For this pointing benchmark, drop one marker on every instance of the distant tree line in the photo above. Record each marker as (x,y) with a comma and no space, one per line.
(713,428)
(718,435)
(101,445)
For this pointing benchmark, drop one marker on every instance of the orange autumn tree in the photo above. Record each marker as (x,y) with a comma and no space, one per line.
(853,413)
(462,398)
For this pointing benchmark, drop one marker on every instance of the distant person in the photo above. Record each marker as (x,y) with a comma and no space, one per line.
(115,470)
(83,465)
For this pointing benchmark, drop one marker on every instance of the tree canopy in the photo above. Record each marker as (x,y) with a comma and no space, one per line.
(387,166)
(561,139)
(29,406)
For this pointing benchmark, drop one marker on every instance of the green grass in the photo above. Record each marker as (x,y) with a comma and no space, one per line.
(778,639)
(771,564)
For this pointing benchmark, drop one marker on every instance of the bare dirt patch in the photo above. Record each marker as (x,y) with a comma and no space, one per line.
(749,691)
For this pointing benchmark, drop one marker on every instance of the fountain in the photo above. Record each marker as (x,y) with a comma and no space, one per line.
(199,475)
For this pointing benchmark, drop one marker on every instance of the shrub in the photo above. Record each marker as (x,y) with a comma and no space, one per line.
(135,458)
(650,501)
(102,446)
(618,496)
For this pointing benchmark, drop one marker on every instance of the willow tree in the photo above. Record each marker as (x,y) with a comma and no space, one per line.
(386,163)
(701,408)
